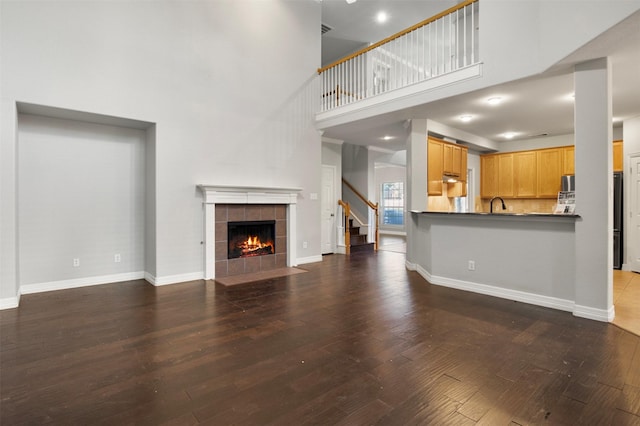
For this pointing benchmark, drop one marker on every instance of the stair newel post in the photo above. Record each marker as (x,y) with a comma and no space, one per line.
(375,209)
(346,209)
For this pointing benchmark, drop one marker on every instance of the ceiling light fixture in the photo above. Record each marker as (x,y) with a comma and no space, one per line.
(387,138)
(466,118)
(495,100)
(381,17)
(351,1)
(509,135)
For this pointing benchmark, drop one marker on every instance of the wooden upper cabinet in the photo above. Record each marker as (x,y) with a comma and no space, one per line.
(434,167)
(525,171)
(505,175)
(488,176)
(452,160)
(549,165)
(444,158)
(568,160)
(618,164)
(464,152)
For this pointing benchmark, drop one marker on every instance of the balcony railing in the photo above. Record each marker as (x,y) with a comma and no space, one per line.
(439,45)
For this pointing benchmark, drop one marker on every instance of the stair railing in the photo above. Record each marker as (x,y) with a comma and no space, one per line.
(347,232)
(435,46)
(372,206)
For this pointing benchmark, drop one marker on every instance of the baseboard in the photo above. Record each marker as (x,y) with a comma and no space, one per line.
(10,302)
(310,259)
(502,293)
(174,279)
(80,282)
(604,315)
(411,266)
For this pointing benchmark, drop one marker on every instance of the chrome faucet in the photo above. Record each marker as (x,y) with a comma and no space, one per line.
(491,204)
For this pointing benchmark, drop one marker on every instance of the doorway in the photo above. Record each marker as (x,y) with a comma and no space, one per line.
(634,218)
(329,203)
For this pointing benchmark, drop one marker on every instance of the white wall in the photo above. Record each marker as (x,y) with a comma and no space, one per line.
(81,195)
(229,85)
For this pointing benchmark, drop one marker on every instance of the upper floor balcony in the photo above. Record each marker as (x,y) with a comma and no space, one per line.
(437,51)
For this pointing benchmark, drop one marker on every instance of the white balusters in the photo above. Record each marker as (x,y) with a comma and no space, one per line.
(439,46)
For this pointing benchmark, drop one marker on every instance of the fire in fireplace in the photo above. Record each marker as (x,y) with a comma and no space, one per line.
(248,239)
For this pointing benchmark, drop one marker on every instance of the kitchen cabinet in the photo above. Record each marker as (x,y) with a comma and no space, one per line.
(488,176)
(618,165)
(506,186)
(524,163)
(549,172)
(435,166)
(452,160)
(568,160)
(444,158)
(525,174)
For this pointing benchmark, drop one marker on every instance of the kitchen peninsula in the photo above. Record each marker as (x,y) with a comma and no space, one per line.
(522,257)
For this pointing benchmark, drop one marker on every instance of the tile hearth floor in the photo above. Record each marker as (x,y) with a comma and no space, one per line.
(258,276)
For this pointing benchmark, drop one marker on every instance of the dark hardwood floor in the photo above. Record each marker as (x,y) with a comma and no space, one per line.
(357,340)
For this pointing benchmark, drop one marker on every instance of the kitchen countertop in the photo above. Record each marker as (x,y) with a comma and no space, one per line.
(500,215)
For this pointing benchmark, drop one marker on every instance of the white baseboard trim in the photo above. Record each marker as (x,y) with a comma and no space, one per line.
(174,279)
(80,282)
(310,259)
(502,293)
(411,266)
(10,302)
(604,315)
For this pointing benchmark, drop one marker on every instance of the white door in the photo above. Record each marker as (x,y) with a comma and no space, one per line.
(634,220)
(329,207)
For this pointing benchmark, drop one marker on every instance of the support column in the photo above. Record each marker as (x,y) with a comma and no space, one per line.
(9,272)
(416,183)
(594,189)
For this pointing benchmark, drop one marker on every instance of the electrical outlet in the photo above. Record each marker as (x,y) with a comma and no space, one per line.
(116,258)
(76,262)
(304,244)
(472,265)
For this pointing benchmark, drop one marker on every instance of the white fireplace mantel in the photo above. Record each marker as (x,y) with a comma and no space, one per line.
(220,194)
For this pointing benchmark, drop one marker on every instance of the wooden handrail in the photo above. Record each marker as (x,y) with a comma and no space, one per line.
(371,206)
(347,232)
(362,197)
(397,35)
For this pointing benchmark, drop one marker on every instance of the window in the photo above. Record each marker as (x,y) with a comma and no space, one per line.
(393,203)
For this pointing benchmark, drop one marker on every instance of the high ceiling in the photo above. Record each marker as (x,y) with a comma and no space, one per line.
(531,108)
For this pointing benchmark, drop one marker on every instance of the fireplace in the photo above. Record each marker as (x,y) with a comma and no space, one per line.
(224,204)
(251,238)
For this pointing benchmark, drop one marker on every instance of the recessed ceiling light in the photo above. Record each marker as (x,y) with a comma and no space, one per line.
(495,100)
(350,1)
(382,17)
(466,118)
(387,138)
(509,135)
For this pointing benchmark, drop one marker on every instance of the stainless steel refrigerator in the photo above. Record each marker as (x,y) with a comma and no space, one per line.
(617,220)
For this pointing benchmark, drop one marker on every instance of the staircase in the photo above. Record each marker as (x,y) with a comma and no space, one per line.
(358,241)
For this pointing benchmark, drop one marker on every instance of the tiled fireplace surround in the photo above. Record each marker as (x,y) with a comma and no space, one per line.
(224,204)
(226,213)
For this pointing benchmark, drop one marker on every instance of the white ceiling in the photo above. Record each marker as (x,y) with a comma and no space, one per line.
(530,107)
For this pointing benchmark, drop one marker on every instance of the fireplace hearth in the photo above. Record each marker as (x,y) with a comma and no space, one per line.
(251,238)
